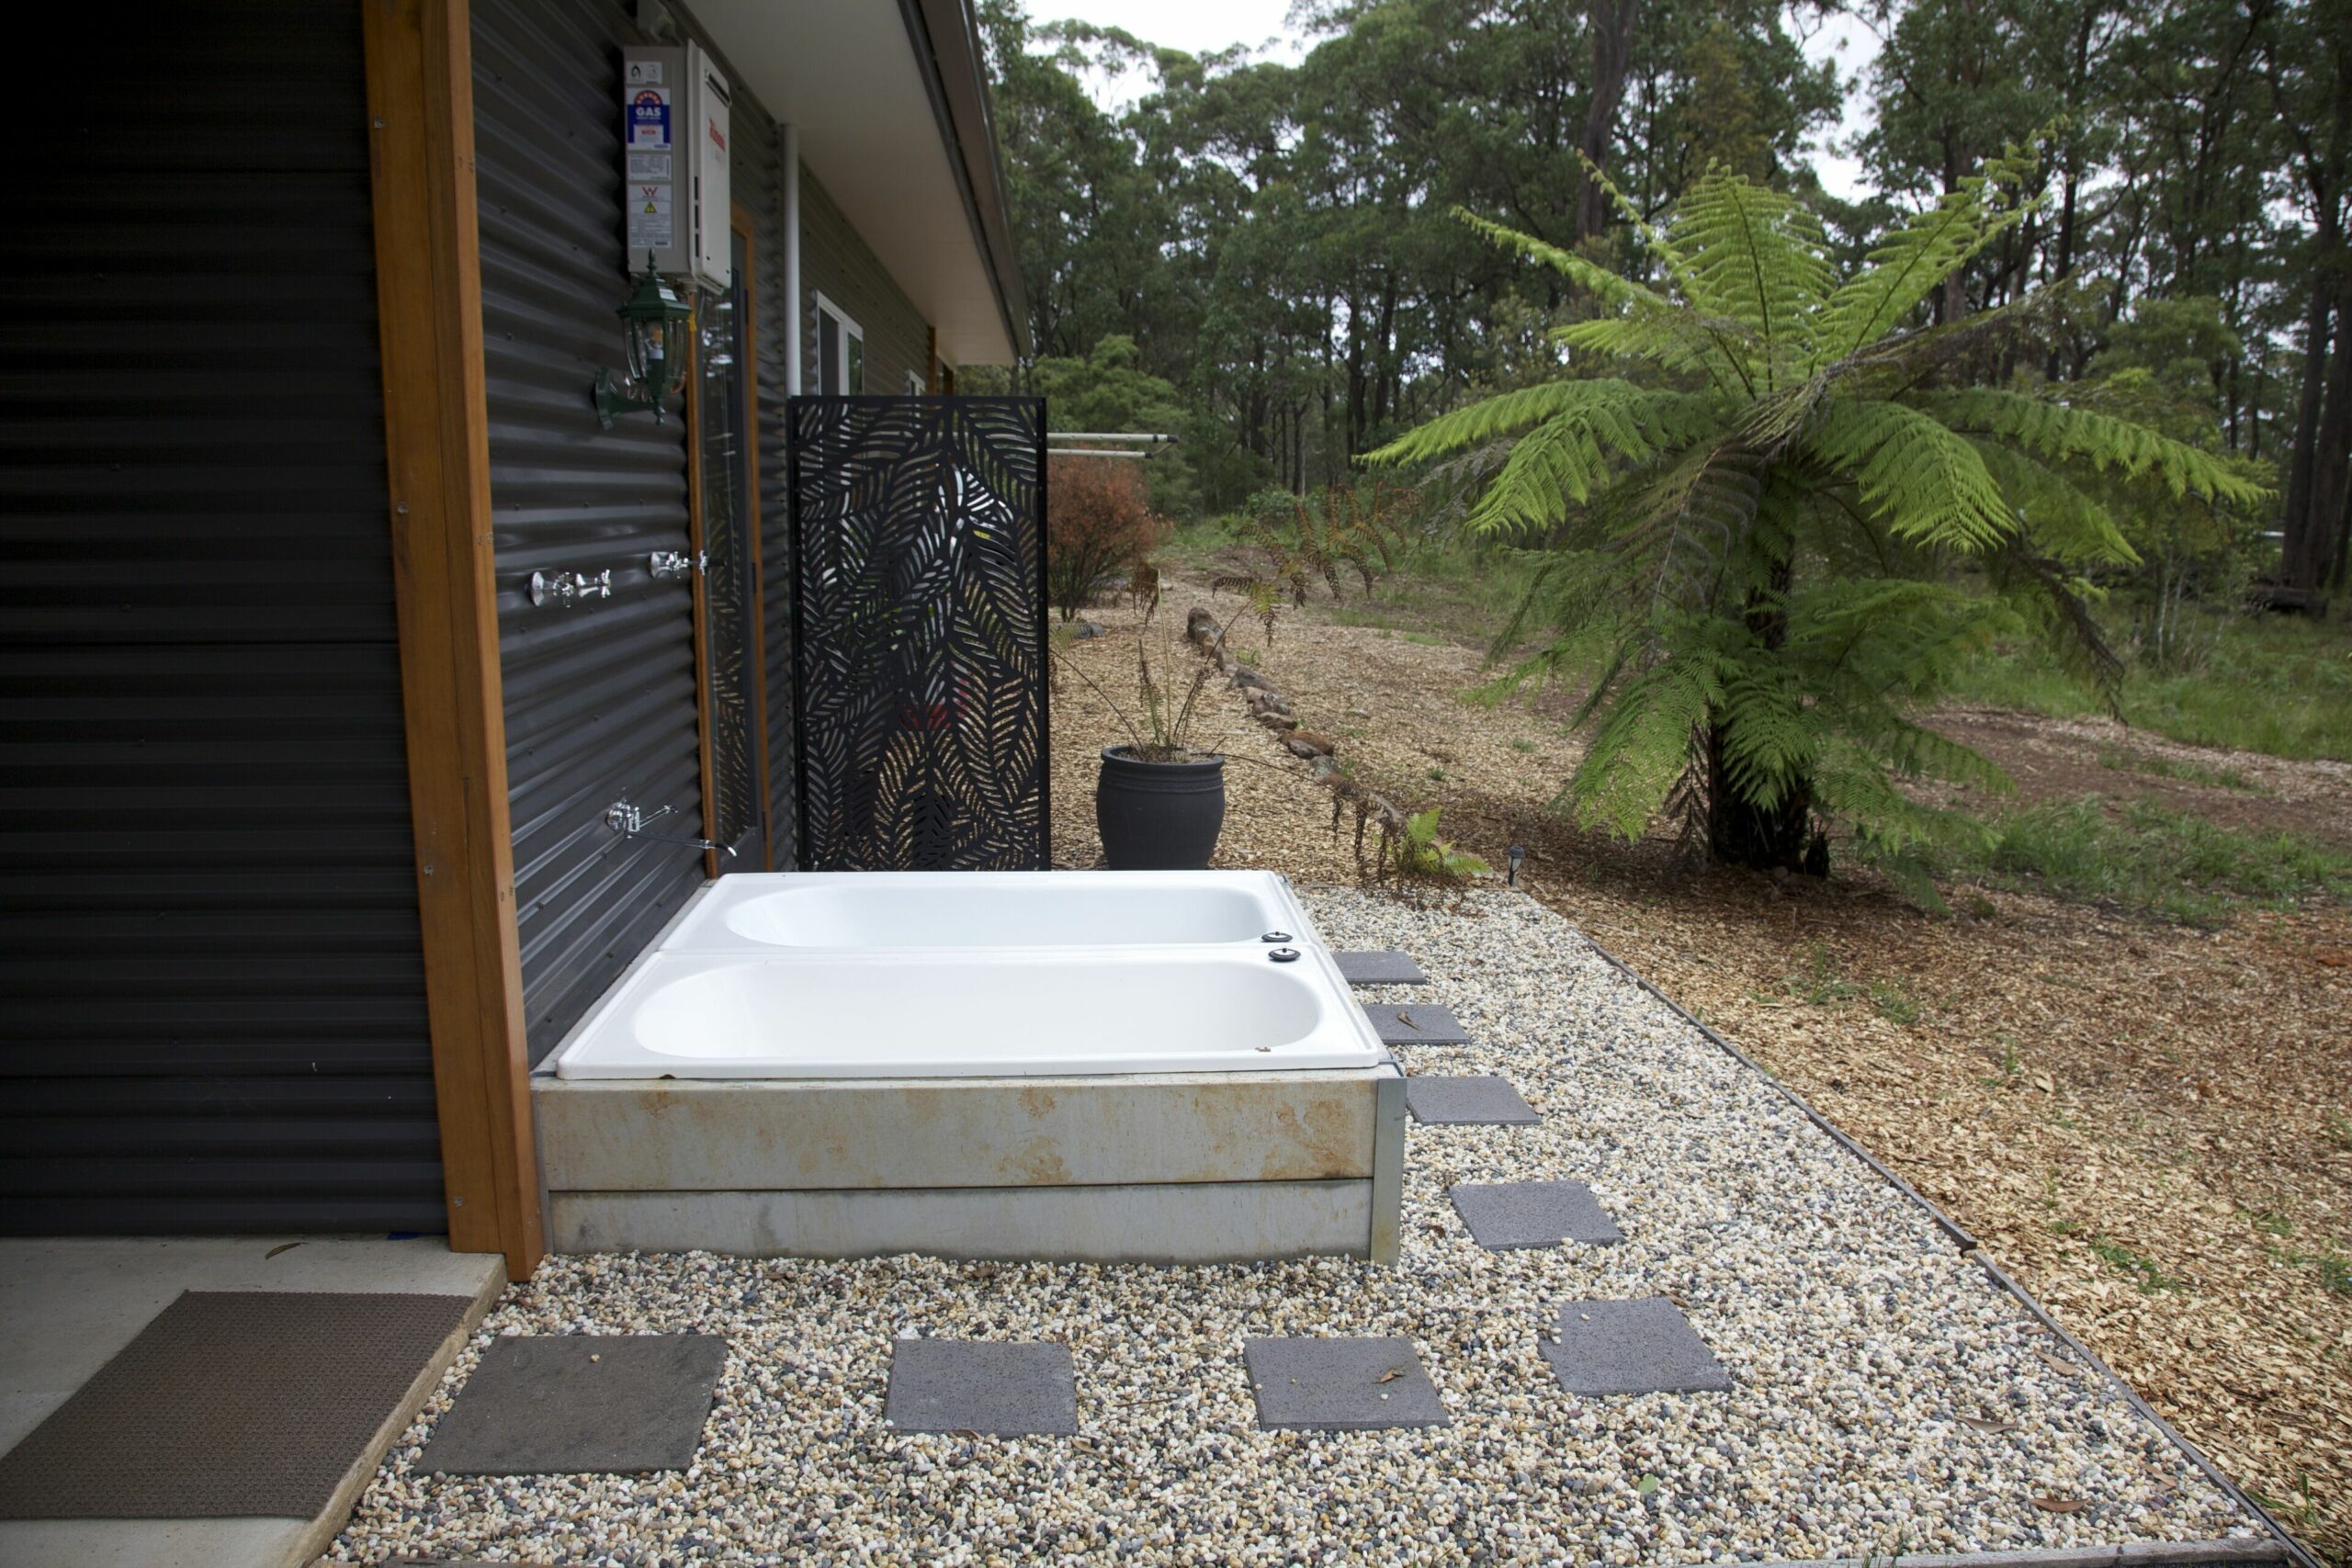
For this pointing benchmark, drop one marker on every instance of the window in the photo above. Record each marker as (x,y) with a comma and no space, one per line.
(915,389)
(841,351)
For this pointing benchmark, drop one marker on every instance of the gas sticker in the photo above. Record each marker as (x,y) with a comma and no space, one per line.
(649,120)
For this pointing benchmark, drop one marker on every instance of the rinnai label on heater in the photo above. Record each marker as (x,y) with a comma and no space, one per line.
(676,193)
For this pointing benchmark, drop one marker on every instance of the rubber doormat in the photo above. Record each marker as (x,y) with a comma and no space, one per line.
(232,1403)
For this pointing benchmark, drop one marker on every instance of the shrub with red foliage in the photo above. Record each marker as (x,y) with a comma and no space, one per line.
(1099,527)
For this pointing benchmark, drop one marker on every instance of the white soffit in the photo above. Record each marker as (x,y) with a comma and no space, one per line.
(844,72)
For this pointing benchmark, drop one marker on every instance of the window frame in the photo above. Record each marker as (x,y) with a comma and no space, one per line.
(846,329)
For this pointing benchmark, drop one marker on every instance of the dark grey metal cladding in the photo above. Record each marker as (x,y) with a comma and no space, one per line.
(756,170)
(600,693)
(836,261)
(211,993)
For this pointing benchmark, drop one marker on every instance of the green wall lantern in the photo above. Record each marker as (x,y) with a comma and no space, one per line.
(654,323)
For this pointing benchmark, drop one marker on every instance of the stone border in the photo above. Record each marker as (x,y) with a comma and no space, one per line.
(2139,1554)
(2144,1554)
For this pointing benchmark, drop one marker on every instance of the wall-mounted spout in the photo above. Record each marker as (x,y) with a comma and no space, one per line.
(630,822)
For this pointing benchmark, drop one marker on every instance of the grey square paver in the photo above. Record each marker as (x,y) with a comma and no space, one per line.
(977,1385)
(1381,968)
(580,1404)
(1507,1214)
(1637,1346)
(1341,1385)
(1481,1100)
(1415,1023)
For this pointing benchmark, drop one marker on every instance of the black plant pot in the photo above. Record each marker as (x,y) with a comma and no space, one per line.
(1158,816)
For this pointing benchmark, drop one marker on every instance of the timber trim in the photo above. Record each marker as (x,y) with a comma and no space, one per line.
(748,303)
(437,452)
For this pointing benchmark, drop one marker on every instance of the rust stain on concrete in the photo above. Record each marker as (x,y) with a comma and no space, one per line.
(1041,1164)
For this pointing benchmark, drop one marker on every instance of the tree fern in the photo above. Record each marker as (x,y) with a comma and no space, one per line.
(2063,434)
(1923,480)
(1747,575)
(1913,261)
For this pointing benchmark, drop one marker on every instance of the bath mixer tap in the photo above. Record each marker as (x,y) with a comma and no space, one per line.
(630,822)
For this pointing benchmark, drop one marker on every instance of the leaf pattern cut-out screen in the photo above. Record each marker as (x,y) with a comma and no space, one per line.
(919,534)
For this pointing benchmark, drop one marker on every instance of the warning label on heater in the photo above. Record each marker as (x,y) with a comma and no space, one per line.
(648,218)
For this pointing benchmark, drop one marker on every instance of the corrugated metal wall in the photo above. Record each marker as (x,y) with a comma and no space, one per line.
(758,174)
(836,261)
(214,1008)
(600,694)
(759,189)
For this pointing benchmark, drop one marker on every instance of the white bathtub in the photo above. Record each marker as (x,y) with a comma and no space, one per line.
(988,910)
(977,975)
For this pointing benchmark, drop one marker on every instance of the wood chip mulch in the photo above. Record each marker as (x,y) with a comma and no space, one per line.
(2150,1127)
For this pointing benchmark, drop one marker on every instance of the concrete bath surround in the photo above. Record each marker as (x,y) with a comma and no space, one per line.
(1131,1066)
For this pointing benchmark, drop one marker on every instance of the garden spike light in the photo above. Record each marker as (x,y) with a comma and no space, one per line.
(655,324)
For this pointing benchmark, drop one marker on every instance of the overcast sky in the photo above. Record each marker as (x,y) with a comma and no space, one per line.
(1198,26)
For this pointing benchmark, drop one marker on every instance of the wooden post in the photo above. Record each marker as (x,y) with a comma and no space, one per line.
(747,301)
(437,442)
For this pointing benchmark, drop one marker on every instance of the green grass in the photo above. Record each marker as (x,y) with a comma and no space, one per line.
(2148,859)
(1822,986)
(2333,1270)
(2122,760)
(2142,1269)
(2277,684)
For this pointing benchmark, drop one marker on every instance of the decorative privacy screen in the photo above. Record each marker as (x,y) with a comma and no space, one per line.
(919,653)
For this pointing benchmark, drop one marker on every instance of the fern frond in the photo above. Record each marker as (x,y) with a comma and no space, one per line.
(2069,628)
(2059,520)
(1670,337)
(1604,284)
(1563,460)
(1913,262)
(2062,433)
(1769,736)
(1610,404)
(1927,482)
(1703,507)
(1655,239)
(1642,749)
(1762,261)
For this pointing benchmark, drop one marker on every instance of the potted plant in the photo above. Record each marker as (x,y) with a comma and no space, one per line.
(1160,800)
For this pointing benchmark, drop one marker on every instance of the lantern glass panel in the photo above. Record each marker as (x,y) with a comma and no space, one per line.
(636,335)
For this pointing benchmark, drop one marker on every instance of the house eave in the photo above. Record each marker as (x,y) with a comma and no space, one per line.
(891,105)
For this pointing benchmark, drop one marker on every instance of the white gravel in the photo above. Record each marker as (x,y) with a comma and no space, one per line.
(1856,1336)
